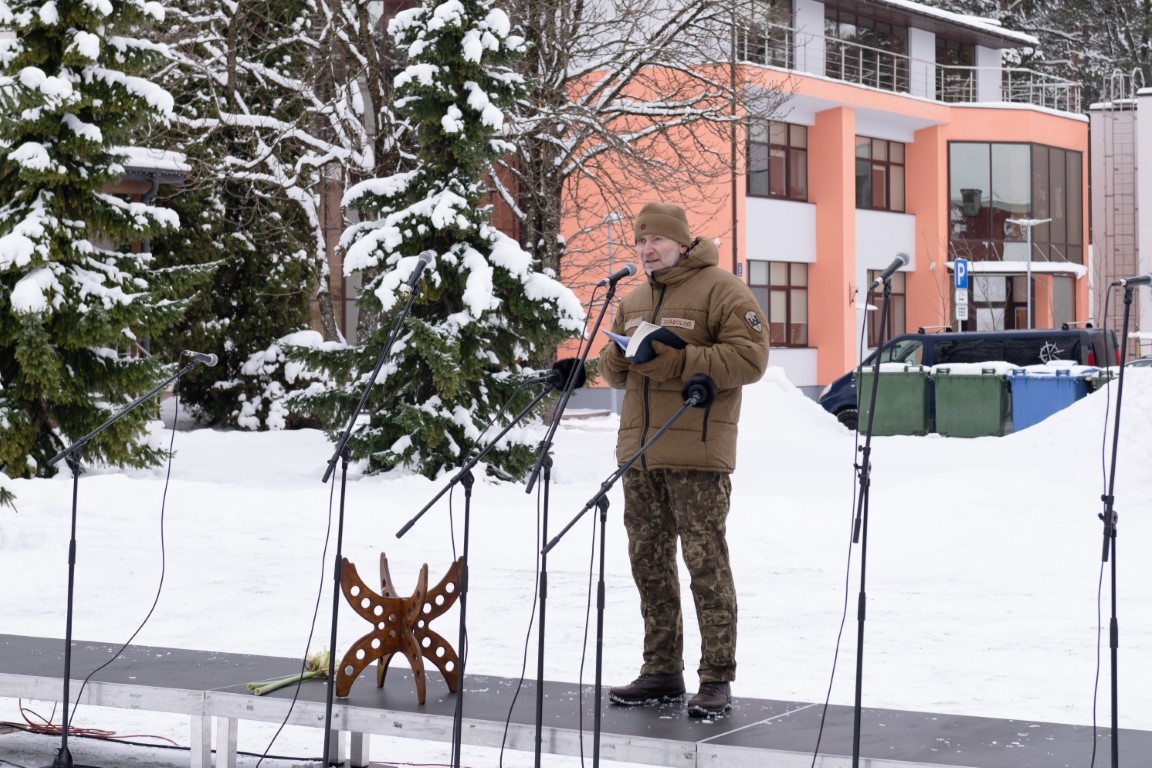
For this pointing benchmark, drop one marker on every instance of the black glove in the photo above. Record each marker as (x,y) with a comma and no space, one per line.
(701,387)
(668,363)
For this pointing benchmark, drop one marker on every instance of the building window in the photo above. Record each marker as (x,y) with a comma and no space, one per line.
(865,51)
(879,174)
(955,70)
(777,160)
(764,33)
(896,323)
(993,188)
(991,183)
(781,287)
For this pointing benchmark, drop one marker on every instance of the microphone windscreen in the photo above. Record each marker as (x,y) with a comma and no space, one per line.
(564,367)
(702,387)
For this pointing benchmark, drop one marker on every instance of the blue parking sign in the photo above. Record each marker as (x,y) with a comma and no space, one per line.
(960,267)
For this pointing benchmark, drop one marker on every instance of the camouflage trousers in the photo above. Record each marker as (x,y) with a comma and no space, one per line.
(660,506)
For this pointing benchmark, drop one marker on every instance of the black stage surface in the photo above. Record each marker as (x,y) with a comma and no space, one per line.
(757,732)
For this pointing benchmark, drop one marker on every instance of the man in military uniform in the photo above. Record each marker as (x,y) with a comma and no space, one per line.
(681,488)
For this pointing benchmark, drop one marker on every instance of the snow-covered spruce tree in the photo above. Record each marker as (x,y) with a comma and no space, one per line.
(291,99)
(241,74)
(75,300)
(483,308)
(259,294)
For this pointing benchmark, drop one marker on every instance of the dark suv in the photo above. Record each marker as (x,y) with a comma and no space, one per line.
(1084,346)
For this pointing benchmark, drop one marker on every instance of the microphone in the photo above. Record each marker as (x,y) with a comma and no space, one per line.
(561,370)
(625,271)
(901,260)
(699,391)
(422,261)
(207,358)
(1138,280)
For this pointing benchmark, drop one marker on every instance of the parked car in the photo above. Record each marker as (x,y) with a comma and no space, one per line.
(1083,346)
(1140,362)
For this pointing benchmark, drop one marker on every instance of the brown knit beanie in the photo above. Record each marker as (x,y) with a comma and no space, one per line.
(663,219)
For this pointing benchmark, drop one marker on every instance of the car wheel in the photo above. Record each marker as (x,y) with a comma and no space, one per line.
(849,418)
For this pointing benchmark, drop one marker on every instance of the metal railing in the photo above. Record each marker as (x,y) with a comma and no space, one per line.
(864,65)
(1026,86)
(781,46)
(769,44)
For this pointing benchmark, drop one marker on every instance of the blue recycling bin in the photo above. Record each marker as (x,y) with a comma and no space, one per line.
(1035,396)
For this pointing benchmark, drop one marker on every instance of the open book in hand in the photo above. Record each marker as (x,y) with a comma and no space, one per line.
(638,347)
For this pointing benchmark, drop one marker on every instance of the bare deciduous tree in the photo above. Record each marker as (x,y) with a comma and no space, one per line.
(632,97)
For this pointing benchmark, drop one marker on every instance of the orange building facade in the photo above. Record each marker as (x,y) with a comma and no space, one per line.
(903,133)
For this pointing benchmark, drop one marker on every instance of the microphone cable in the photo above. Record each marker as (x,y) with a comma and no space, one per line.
(584,643)
(580,356)
(324,574)
(532,622)
(528,633)
(462,653)
(584,330)
(1100,578)
(535,591)
(856,490)
(163,560)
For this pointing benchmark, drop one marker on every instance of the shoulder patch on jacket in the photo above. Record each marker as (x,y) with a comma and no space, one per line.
(753,321)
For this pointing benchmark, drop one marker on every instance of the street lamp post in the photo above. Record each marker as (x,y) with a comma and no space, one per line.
(610,219)
(1028,224)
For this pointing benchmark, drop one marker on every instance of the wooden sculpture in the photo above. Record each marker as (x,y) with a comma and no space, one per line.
(400,625)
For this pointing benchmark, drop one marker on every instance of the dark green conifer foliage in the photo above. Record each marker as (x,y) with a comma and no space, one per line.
(76,301)
(239,74)
(483,306)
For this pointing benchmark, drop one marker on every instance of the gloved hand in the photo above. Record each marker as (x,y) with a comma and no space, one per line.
(667,364)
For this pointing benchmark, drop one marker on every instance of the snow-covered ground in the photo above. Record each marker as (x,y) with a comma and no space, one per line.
(986,585)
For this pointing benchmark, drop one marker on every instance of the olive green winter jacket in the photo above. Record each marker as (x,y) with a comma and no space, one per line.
(727,339)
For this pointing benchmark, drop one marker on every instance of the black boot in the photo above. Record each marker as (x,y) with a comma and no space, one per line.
(713,700)
(649,689)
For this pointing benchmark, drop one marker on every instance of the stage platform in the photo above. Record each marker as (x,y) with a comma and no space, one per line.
(757,732)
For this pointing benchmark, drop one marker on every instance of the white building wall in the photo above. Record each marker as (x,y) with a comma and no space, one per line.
(809,26)
(922,64)
(779,230)
(1143,136)
(989,76)
(1144,180)
(880,236)
(784,230)
(1120,236)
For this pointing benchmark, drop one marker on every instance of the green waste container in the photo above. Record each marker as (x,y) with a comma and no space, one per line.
(972,405)
(1100,380)
(901,400)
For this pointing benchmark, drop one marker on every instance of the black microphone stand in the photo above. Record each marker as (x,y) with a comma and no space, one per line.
(698,396)
(464,476)
(544,462)
(860,526)
(341,454)
(73,453)
(1109,517)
